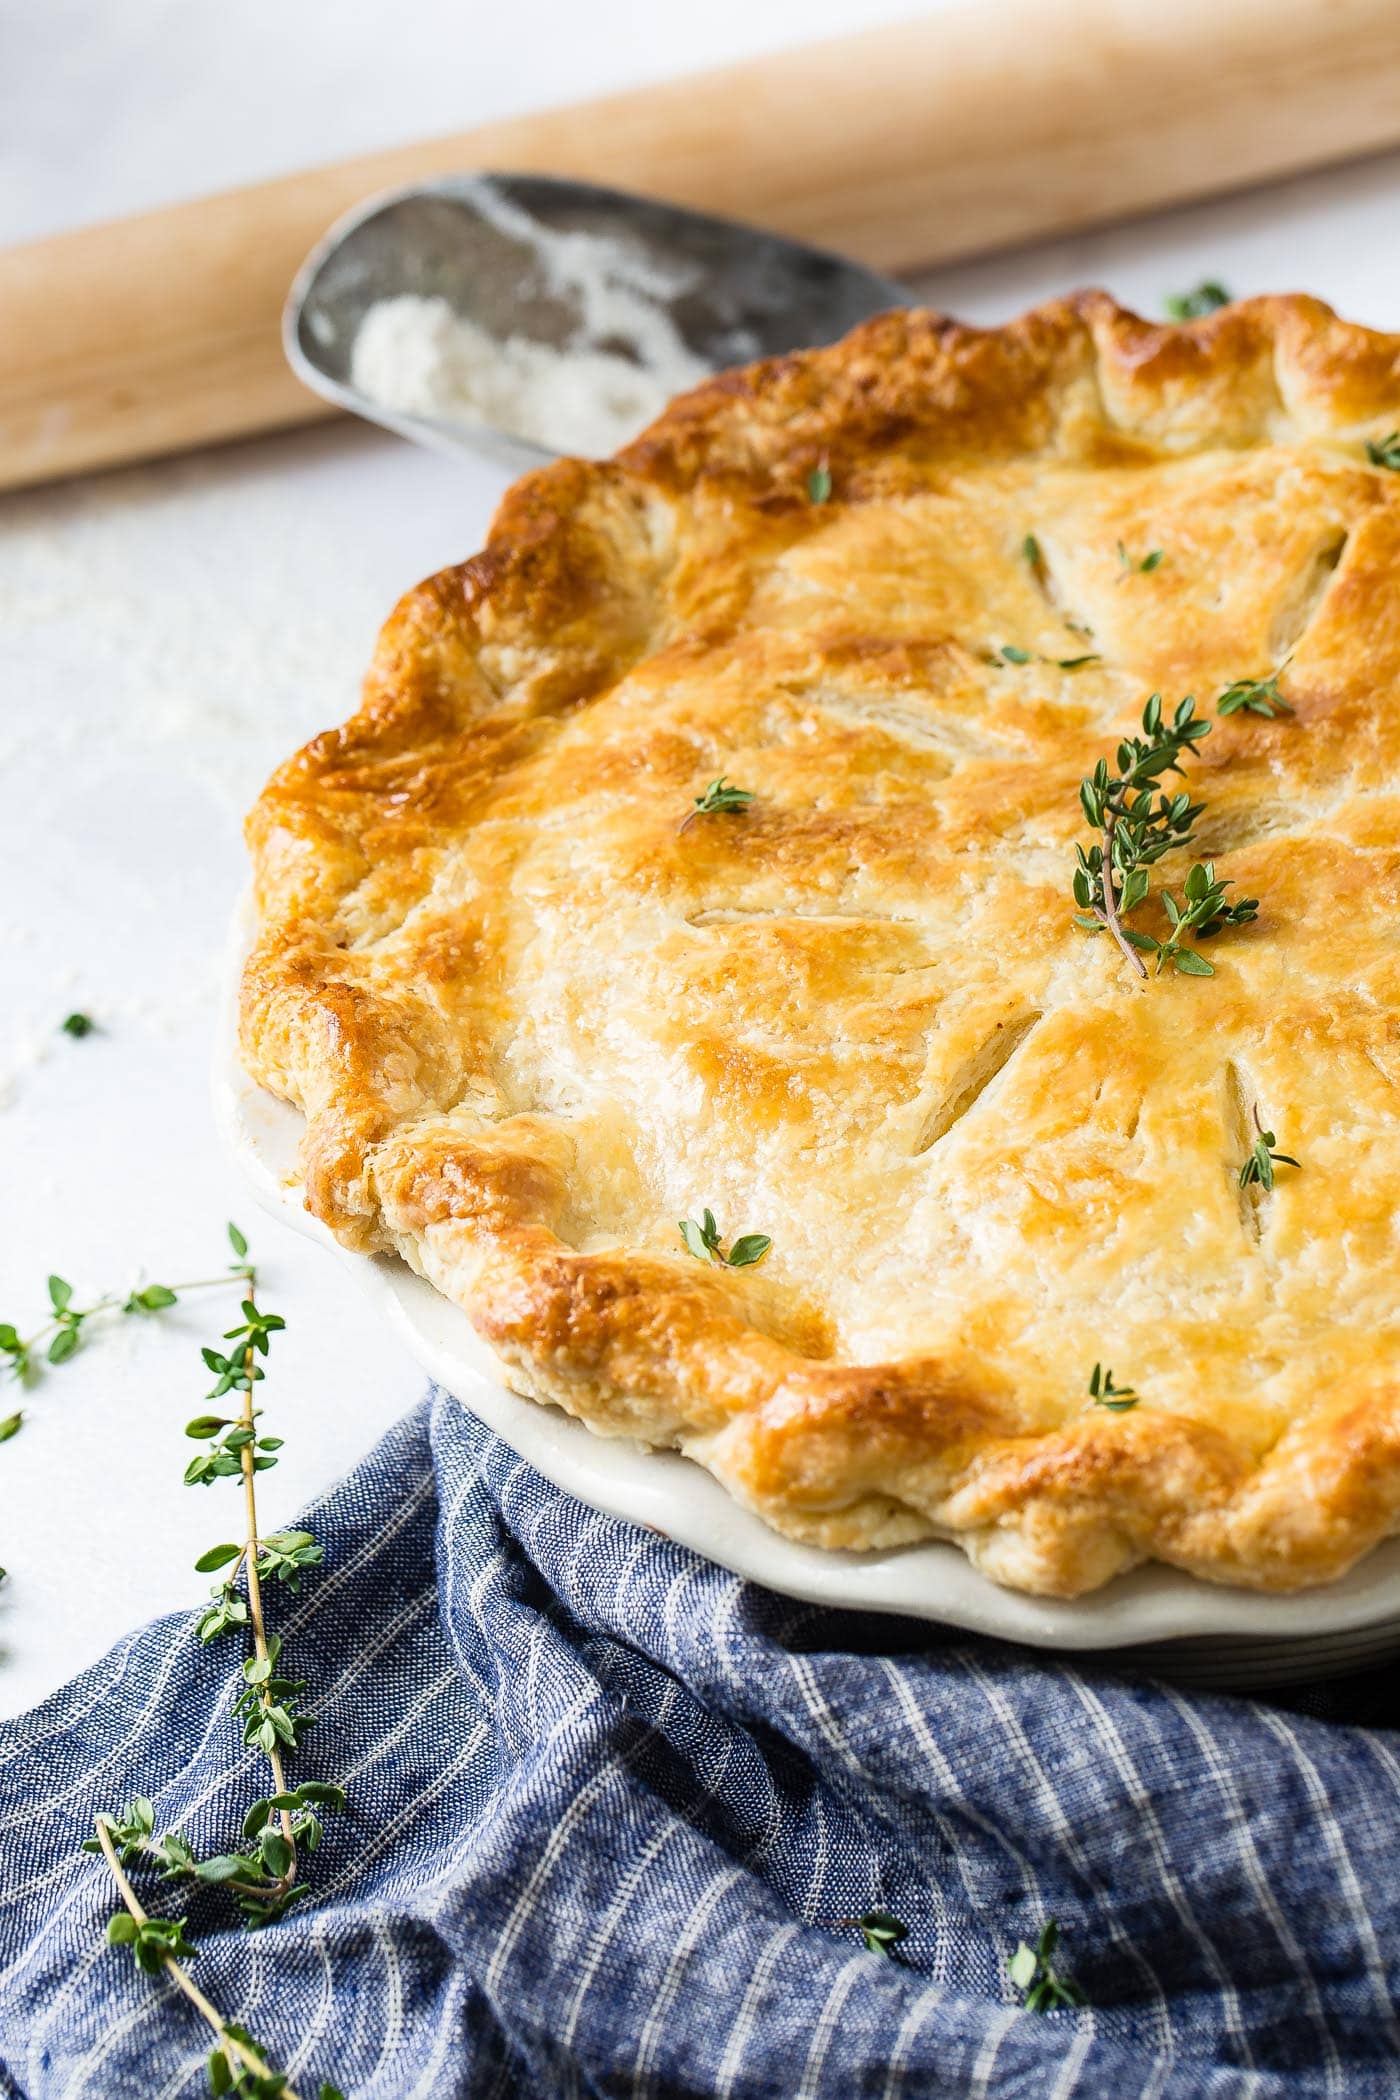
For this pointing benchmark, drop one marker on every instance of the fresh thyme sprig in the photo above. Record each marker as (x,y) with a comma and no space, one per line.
(721,797)
(1203,913)
(224,1458)
(1131,565)
(1137,827)
(1255,696)
(1385,452)
(703,1241)
(819,483)
(133,1833)
(1031,1971)
(24,1356)
(268,1703)
(254,1877)
(258,1878)
(1118,1399)
(237,2064)
(1263,1158)
(1194,305)
(262,1874)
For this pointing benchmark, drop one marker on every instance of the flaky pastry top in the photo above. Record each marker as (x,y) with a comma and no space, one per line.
(532,1023)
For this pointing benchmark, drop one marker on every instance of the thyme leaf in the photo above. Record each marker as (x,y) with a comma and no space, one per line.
(1118,1399)
(1263,1158)
(1031,1971)
(703,1241)
(1255,696)
(882,1931)
(153,1941)
(721,797)
(1008,654)
(1194,305)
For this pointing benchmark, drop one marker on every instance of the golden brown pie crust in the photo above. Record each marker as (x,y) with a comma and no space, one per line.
(531,1025)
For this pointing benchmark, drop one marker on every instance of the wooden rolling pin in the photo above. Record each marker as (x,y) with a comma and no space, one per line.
(967,130)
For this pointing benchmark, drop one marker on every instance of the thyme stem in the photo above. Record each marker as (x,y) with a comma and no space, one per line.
(1109,913)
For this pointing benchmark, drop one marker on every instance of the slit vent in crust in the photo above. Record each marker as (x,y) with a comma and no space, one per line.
(974,1078)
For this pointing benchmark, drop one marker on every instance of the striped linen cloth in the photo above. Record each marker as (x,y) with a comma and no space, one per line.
(609,1807)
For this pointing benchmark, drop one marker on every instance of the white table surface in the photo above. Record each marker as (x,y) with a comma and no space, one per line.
(168,633)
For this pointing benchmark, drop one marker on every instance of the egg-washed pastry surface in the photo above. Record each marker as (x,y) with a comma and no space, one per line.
(1035,1280)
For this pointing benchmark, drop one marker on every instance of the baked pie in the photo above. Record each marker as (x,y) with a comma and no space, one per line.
(698,956)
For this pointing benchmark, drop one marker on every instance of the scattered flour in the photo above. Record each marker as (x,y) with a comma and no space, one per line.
(420,356)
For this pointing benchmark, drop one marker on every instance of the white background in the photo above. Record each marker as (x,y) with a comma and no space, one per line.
(168,633)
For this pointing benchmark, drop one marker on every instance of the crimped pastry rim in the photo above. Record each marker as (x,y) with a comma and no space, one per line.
(582,1329)
(1156,1618)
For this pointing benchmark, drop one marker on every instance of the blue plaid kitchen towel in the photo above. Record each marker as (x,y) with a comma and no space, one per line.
(608,1806)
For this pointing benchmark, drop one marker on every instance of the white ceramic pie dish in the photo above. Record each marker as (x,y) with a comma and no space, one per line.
(1154,1618)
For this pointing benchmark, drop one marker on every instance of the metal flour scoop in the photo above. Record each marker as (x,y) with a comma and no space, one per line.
(524,314)
(969,128)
